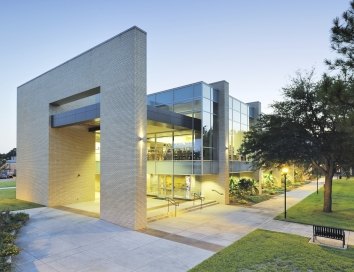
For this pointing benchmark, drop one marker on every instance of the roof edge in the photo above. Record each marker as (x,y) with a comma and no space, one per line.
(92,48)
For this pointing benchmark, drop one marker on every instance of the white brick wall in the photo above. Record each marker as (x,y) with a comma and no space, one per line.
(118,67)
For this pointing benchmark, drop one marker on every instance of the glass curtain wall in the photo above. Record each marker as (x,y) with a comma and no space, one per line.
(174,156)
(238,124)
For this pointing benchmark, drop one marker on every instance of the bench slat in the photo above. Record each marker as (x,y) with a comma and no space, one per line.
(329,232)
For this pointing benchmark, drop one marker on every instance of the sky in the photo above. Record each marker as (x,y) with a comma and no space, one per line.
(257,46)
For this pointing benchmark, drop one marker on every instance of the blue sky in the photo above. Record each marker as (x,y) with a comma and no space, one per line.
(257,46)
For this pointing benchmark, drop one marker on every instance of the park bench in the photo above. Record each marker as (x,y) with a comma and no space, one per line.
(329,232)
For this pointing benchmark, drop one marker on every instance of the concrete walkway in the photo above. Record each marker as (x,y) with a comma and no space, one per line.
(56,240)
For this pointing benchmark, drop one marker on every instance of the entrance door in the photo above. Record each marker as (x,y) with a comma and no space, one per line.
(165,186)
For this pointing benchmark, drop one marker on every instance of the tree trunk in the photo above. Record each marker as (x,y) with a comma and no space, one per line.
(327,199)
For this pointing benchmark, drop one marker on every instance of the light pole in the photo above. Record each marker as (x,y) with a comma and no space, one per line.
(285,171)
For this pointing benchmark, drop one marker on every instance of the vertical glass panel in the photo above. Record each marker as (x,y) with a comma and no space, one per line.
(230,114)
(198,115)
(151,148)
(152,184)
(164,149)
(197,90)
(197,105)
(206,129)
(215,107)
(236,116)
(244,108)
(197,167)
(207,154)
(183,167)
(236,105)
(244,128)
(236,126)
(230,102)
(182,146)
(215,95)
(206,105)
(185,93)
(151,100)
(206,91)
(197,145)
(244,119)
(164,98)
(186,106)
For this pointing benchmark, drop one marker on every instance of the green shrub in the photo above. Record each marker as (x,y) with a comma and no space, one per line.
(9,250)
(9,222)
(6,238)
(21,217)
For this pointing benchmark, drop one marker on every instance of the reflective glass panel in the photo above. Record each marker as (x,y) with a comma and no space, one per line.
(215,95)
(206,105)
(197,90)
(236,105)
(183,107)
(185,93)
(236,116)
(244,108)
(206,91)
(207,153)
(151,100)
(244,119)
(164,98)
(197,105)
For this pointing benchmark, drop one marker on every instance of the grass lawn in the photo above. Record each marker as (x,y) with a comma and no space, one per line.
(309,211)
(8,201)
(264,250)
(7,184)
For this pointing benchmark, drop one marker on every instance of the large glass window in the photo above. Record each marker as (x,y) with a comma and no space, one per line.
(207,130)
(183,145)
(182,94)
(244,108)
(183,107)
(164,98)
(151,100)
(206,105)
(164,150)
(206,91)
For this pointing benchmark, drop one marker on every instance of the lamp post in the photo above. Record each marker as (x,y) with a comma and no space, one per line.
(285,171)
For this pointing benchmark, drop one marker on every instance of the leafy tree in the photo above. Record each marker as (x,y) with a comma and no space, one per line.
(342,42)
(308,128)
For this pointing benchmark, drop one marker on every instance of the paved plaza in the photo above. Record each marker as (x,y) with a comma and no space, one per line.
(56,240)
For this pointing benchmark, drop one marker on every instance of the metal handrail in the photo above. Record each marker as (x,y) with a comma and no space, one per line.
(172,202)
(197,196)
(217,192)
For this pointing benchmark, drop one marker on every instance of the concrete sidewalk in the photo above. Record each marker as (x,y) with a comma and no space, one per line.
(56,240)
(224,224)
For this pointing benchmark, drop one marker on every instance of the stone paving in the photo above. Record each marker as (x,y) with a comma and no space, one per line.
(56,240)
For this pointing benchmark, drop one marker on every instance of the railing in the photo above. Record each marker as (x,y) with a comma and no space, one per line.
(197,196)
(217,192)
(171,201)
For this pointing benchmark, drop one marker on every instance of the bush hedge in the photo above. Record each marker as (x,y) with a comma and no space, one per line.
(10,223)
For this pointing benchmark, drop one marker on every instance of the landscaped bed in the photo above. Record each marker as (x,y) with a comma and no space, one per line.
(272,251)
(309,211)
(10,223)
(246,191)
